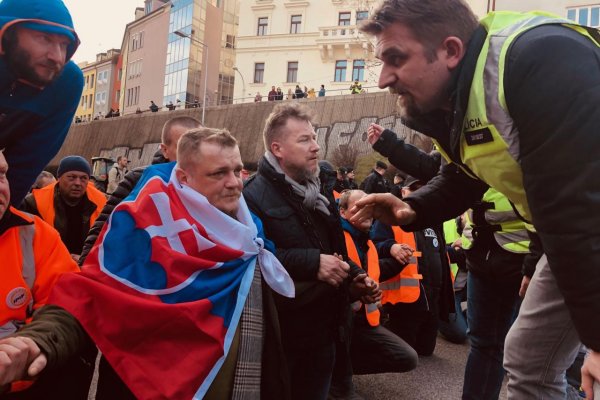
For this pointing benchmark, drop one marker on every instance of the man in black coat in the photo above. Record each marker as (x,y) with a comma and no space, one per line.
(375,182)
(304,225)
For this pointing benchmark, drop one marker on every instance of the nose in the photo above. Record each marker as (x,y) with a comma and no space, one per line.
(232,180)
(315,146)
(57,52)
(386,78)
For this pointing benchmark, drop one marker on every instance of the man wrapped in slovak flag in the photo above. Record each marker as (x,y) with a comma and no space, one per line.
(172,291)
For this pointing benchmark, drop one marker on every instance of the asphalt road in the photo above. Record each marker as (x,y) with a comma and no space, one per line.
(438,377)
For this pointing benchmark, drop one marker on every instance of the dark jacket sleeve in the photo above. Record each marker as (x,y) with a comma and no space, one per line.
(407,157)
(123,189)
(552,86)
(445,196)
(29,205)
(383,237)
(57,333)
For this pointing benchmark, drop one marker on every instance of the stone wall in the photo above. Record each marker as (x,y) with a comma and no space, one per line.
(341,123)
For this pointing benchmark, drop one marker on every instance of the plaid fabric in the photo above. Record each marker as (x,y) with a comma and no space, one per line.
(246,382)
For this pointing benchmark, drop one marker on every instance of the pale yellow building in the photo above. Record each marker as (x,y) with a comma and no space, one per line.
(284,43)
(85,110)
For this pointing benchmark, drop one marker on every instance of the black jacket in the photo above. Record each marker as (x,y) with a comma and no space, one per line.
(552,88)
(312,318)
(375,183)
(123,189)
(503,264)
(61,223)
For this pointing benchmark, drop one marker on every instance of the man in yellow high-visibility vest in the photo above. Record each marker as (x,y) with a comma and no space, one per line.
(511,103)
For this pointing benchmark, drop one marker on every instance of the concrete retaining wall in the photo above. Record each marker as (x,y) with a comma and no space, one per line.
(341,122)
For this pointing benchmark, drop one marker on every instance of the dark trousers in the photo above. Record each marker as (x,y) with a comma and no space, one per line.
(310,371)
(376,350)
(492,306)
(455,329)
(416,323)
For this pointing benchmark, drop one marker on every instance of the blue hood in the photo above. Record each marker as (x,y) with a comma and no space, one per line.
(49,16)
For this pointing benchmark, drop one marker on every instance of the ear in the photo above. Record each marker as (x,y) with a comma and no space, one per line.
(163,150)
(276,149)
(343,213)
(182,176)
(454,50)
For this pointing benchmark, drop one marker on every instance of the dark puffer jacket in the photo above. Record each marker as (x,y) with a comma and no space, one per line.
(123,189)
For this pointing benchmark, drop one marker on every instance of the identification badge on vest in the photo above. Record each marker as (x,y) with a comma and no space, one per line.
(479,136)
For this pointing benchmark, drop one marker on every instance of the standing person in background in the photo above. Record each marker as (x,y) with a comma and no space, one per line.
(298,93)
(501,98)
(351,178)
(279,94)
(375,181)
(272,94)
(355,88)
(44,179)
(41,87)
(322,91)
(117,174)
(258,97)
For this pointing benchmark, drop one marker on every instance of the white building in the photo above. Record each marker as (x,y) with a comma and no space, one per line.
(284,43)
(582,12)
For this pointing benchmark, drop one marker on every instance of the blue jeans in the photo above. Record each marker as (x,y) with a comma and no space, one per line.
(455,330)
(492,306)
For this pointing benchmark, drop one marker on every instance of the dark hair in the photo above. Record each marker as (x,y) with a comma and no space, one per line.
(431,21)
(381,164)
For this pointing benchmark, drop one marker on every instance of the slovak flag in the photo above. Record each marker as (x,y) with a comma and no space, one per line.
(162,291)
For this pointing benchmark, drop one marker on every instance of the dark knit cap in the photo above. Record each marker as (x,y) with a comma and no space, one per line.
(73,163)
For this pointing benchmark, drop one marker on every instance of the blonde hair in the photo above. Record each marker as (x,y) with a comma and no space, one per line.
(188,148)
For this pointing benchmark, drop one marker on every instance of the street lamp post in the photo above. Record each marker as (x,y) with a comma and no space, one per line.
(243,82)
(184,35)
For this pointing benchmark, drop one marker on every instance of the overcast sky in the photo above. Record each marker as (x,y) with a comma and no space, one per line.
(100,24)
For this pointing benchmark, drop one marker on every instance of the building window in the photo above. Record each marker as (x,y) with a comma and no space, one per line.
(588,16)
(295,23)
(344,19)
(358,70)
(292,72)
(259,72)
(91,99)
(340,71)
(92,81)
(230,42)
(82,101)
(137,41)
(263,23)
(361,16)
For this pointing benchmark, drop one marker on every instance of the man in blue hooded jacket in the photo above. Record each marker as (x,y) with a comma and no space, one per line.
(39,87)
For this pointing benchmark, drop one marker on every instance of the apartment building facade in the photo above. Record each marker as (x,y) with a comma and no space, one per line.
(583,12)
(284,43)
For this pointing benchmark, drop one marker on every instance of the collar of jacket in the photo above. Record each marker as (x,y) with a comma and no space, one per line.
(446,127)
(360,238)
(10,220)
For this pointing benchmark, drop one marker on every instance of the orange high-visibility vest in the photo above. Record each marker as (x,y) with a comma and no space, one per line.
(32,259)
(371,310)
(44,200)
(336,194)
(404,287)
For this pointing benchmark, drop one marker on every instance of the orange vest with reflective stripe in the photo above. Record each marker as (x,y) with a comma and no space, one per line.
(44,200)
(27,253)
(371,310)
(404,287)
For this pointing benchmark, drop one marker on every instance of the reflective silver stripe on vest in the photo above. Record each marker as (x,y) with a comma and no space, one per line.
(495,112)
(504,238)
(497,217)
(9,328)
(371,307)
(26,235)
(404,282)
